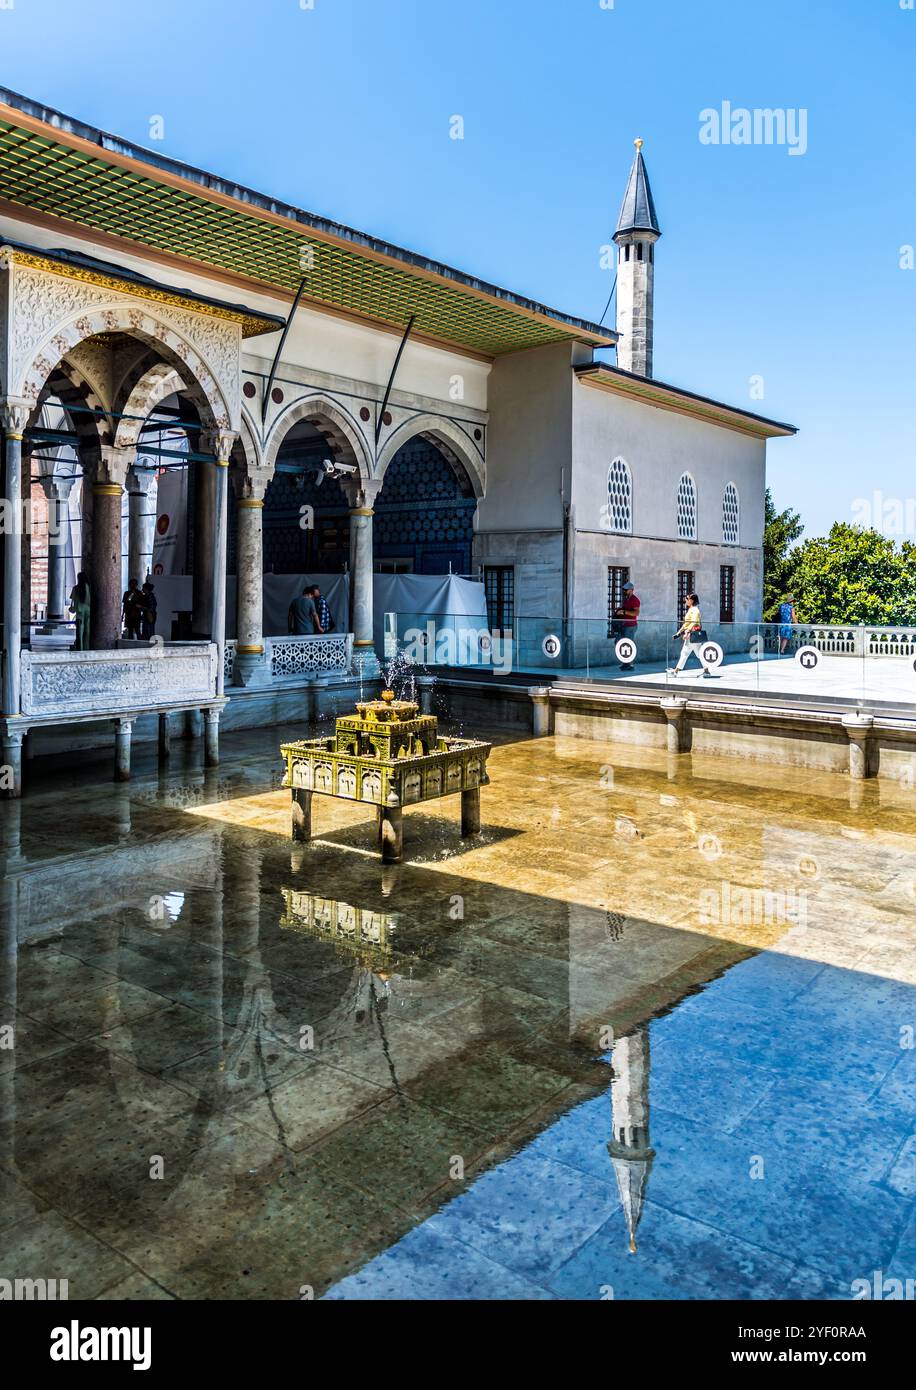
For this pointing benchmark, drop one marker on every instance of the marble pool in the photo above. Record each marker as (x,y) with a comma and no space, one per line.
(650,1035)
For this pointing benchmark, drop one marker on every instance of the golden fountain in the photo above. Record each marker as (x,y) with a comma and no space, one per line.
(390,755)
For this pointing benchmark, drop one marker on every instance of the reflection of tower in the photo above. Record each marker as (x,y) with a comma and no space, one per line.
(629,1148)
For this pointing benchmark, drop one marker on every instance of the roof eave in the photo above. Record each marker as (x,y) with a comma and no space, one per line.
(667,397)
(255,321)
(211,186)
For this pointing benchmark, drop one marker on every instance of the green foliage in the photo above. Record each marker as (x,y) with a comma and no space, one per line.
(781,531)
(854,575)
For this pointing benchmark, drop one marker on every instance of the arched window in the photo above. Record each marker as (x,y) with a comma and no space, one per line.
(731,528)
(686,508)
(620,497)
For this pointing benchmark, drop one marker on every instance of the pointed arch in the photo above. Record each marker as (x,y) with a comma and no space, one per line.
(330,419)
(454,441)
(153,387)
(144,325)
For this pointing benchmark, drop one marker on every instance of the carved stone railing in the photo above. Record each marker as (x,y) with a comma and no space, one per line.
(307,657)
(228,659)
(849,640)
(141,677)
(890,641)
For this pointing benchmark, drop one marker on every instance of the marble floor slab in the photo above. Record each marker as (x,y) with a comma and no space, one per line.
(649,1035)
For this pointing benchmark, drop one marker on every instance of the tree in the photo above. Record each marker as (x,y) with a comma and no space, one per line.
(781,531)
(854,575)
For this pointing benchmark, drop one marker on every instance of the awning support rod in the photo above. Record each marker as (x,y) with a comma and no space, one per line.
(276,362)
(381,415)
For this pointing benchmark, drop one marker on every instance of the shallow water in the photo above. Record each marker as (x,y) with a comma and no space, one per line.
(246,1068)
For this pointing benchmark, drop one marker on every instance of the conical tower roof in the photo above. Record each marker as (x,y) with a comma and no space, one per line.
(632,1175)
(637,211)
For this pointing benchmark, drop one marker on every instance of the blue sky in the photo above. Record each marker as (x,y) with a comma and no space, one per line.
(786,267)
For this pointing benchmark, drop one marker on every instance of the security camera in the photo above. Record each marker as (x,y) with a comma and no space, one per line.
(328,469)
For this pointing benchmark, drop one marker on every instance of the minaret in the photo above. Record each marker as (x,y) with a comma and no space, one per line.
(636,235)
(629,1149)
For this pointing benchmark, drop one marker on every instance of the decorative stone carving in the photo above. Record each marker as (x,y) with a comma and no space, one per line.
(219,443)
(51,314)
(113,682)
(14,414)
(310,656)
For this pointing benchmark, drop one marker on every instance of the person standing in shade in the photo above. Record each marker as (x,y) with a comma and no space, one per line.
(626,619)
(132,610)
(79,607)
(787,621)
(692,635)
(302,619)
(322,608)
(148,607)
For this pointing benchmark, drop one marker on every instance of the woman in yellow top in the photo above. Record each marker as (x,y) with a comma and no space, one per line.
(688,630)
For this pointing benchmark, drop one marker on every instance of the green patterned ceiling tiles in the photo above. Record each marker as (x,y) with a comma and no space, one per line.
(52,178)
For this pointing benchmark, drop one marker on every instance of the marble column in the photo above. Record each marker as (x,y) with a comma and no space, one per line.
(859,728)
(220,444)
(365,661)
(540,710)
(211,737)
(674,708)
(250,662)
(204,521)
(105,566)
(123,728)
(57,491)
(142,490)
(14,415)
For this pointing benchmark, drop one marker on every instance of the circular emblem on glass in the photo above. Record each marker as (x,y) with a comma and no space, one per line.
(807,657)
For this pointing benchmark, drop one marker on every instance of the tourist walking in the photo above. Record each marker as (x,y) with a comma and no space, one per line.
(692,637)
(79,607)
(787,621)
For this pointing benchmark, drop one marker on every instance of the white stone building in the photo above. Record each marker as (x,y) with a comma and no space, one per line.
(462,428)
(600,473)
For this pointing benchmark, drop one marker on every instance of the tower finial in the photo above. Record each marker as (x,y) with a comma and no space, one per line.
(639,144)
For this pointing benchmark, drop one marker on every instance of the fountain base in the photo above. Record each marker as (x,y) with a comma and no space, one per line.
(390,755)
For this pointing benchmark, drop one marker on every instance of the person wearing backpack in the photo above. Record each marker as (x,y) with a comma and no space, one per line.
(325,616)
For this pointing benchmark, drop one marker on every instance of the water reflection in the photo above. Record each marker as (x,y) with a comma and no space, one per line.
(310,1041)
(629,1148)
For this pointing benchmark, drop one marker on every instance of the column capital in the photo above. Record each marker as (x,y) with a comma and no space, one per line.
(140,480)
(14,414)
(220,443)
(114,464)
(251,485)
(361,494)
(56,489)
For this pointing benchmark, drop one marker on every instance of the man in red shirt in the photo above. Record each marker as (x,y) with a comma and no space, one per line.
(627,616)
